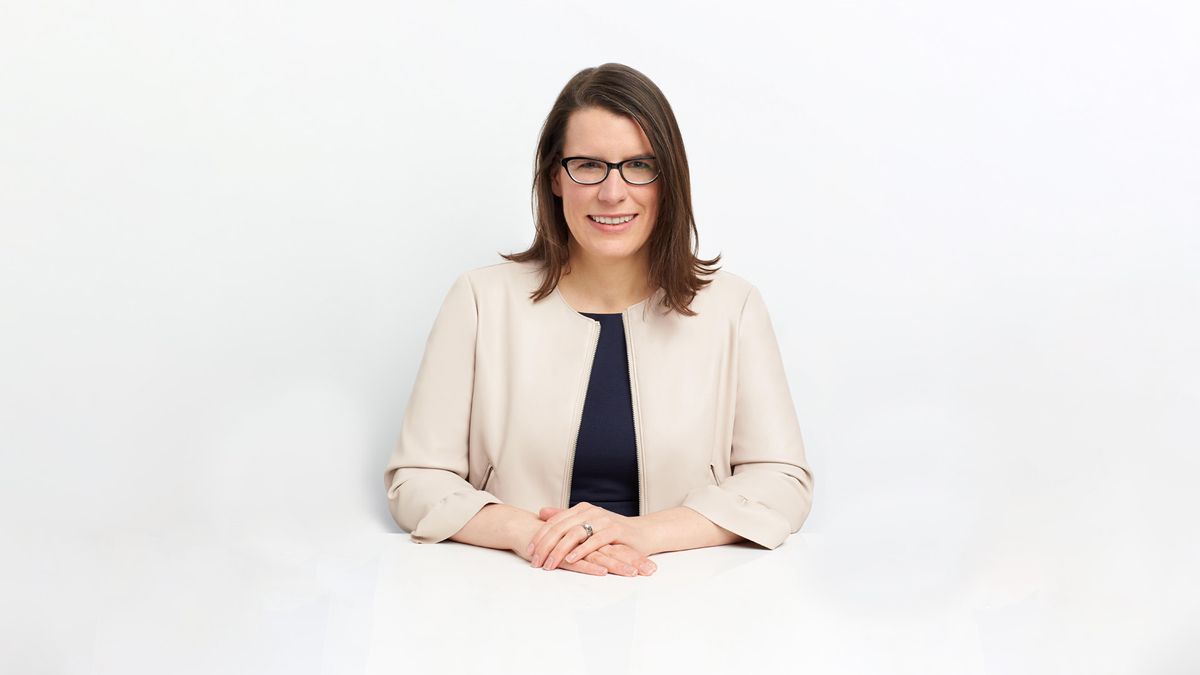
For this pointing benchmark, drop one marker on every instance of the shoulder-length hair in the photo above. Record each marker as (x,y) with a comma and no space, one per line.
(674,241)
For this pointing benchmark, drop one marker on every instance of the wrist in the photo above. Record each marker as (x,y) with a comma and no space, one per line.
(646,530)
(520,528)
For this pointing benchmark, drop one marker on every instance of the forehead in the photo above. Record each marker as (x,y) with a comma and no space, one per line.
(595,132)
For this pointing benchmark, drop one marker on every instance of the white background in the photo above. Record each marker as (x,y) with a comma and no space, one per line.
(226,227)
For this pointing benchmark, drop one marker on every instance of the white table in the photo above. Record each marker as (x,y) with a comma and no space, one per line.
(371,601)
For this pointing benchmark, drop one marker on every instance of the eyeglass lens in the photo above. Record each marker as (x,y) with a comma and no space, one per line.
(592,171)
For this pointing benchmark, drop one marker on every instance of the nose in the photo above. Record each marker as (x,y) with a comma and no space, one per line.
(613,187)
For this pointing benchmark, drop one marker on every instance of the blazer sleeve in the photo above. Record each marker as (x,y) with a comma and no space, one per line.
(426,476)
(769,494)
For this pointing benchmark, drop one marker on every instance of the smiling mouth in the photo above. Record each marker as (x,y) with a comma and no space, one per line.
(612,220)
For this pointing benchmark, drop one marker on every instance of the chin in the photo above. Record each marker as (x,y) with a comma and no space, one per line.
(612,246)
(615,250)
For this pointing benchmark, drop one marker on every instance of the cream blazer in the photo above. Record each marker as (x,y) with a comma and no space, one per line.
(496,406)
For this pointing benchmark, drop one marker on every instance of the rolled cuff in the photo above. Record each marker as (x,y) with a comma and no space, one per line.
(450,515)
(744,517)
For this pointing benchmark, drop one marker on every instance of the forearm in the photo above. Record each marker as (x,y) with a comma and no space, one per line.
(680,529)
(497,526)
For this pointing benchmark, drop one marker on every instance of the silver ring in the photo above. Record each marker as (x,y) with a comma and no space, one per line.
(587,528)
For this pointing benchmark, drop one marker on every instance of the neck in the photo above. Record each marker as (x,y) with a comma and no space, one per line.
(606,286)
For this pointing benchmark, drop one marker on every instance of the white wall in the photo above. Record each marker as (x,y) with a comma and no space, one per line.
(225,229)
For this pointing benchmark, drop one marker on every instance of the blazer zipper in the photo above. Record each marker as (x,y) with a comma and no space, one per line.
(633,399)
(566,498)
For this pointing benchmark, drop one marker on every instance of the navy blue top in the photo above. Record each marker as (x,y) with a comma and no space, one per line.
(605,469)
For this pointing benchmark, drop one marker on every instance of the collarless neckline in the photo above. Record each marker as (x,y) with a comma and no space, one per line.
(641,303)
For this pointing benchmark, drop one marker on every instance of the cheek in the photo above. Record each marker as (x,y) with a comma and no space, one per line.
(653,212)
(572,201)
(652,203)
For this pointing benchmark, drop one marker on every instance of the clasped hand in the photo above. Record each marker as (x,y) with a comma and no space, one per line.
(617,542)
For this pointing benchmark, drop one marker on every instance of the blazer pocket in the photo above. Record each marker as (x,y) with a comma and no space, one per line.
(487,475)
(713,470)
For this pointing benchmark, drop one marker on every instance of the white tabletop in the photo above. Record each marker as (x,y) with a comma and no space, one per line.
(290,600)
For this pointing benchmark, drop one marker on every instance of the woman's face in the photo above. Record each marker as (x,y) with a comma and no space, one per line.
(600,134)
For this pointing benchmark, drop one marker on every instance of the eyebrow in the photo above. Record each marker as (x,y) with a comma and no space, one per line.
(644,156)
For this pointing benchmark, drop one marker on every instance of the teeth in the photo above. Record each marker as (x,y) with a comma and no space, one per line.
(611,221)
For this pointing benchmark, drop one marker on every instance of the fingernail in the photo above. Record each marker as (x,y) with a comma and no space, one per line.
(571,558)
(550,563)
(647,568)
(536,562)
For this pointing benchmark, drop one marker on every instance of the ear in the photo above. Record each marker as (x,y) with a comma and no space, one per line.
(554,184)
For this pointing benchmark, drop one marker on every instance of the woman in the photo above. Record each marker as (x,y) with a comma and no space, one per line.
(605,395)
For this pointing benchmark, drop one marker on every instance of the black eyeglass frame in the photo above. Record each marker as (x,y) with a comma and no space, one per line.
(619,166)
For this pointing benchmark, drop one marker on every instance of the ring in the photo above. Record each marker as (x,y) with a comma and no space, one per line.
(587,528)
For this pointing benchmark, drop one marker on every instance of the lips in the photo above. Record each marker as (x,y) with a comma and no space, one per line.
(601,218)
(620,227)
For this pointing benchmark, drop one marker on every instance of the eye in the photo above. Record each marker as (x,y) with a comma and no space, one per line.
(589,165)
(639,164)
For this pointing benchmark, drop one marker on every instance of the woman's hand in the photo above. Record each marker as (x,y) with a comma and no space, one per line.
(594,564)
(618,561)
(561,540)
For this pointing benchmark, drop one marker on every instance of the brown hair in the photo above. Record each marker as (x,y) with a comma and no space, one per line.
(674,241)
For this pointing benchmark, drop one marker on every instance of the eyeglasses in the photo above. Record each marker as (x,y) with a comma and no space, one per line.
(590,171)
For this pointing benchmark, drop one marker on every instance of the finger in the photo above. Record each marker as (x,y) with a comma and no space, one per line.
(572,535)
(605,530)
(593,543)
(632,556)
(552,515)
(626,553)
(537,538)
(536,542)
(587,567)
(552,532)
(569,540)
(547,538)
(612,564)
